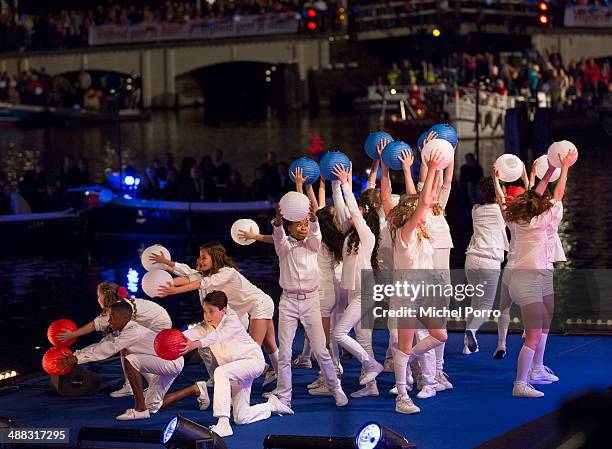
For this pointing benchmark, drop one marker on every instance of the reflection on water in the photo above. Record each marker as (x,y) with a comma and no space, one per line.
(37,290)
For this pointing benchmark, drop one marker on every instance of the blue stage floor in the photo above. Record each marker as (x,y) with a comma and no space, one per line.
(479,408)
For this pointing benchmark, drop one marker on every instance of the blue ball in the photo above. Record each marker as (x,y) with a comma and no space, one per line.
(421,140)
(310,169)
(446,132)
(392,152)
(329,160)
(373,140)
(106,196)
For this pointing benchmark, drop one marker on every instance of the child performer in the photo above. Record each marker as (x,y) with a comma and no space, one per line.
(413,251)
(217,271)
(528,218)
(299,279)
(442,242)
(360,252)
(484,257)
(240,362)
(137,342)
(146,313)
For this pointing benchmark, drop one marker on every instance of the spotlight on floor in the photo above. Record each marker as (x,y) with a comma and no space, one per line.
(376,436)
(181,433)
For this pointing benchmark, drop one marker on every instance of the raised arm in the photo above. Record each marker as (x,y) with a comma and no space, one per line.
(299,180)
(373,173)
(541,187)
(312,197)
(359,222)
(385,181)
(313,238)
(565,164)
(407,159)
(279,238)
(322,200)
(499,193)
(425,198)
(529,183)
(342,213)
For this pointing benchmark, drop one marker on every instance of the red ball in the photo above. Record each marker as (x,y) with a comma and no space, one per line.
(52,359)
(58,327)
(168,344)
(92,200)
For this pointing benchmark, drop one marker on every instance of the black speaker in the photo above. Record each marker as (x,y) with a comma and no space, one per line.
(78,382)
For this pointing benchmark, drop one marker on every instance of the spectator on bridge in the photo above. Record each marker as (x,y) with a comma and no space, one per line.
(70,174)
(186,165)
(259,187)
(52,200)
(235,187)
(285,183)
(394,75)
(193,188)
(270,174)
(170,191)
(469,177)
(221,169)
(83,168)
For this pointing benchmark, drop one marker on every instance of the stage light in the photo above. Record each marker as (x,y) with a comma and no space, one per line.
(311,13)
(312,26)
(181,433)
(128,180)
(543,6)
(436,32)
(393,91)
(543,19)
(376,436)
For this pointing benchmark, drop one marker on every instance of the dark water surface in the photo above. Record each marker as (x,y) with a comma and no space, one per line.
(42,287)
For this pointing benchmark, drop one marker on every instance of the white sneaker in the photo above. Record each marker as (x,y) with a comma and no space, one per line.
(339,370)
(388,365)
(403,404)
(317,383)
(370,389)
(267,394)
(131,414)
(542,375)
(203,399)
(321,390)
(470,340)
(277,407)
(427,392)
(340,397)
(393,391)
(525,390)
(210,383)
(125,390)
(466,350)
(269,377)
(372,369)
(500,352)
(223,430)
(300,362)
(442,382)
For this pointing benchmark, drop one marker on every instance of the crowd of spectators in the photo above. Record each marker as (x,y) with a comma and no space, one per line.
(212,179)
(77,90)
(570,84)
(68,28)
(41,190)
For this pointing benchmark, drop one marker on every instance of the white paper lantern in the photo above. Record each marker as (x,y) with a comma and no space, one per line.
(441,145)
(153,280)
(244,224)
(155,249)
(560,149)
(509,167)
(541,167)
(294,206)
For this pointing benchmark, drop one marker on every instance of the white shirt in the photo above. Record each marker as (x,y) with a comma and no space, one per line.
(416,254)
(241,293)
(299,269)
(555,247)
(489,239)
(134,338)
(437,226)
(385,244)
(327,267)
(530,240)
(352,264)
(148,314)
(229,341)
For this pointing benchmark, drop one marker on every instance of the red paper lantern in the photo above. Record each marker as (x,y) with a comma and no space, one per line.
(51,361)
(169,343)
(122,292)
(58,327)
(92,200)
(512,192)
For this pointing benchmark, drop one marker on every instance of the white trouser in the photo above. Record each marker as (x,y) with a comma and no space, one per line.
(209,360)
(308,312)
(441,263)
(233,382)
(427,360)
(485,272)
(351,319)
(161,374)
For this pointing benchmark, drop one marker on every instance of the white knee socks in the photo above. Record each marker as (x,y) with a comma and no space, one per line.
(440,357)
(525,359)
(503,322)
(274,361)
(400,363)
(538,358)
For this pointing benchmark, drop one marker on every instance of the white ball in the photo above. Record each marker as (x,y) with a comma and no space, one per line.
(541,167)
(155,249)
(153,280)
(441,145)
(243,224)
(509,167)
(560,149)
(294,206)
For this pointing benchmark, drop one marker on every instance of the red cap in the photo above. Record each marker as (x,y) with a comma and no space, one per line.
(122,292)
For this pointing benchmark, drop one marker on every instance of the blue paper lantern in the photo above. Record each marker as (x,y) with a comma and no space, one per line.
(106,196)
(374,140)
(330,160)
(392,153)
(446,132)
(310,169)
(421,140)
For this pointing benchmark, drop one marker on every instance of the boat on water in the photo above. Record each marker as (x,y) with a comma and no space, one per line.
(43,116)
